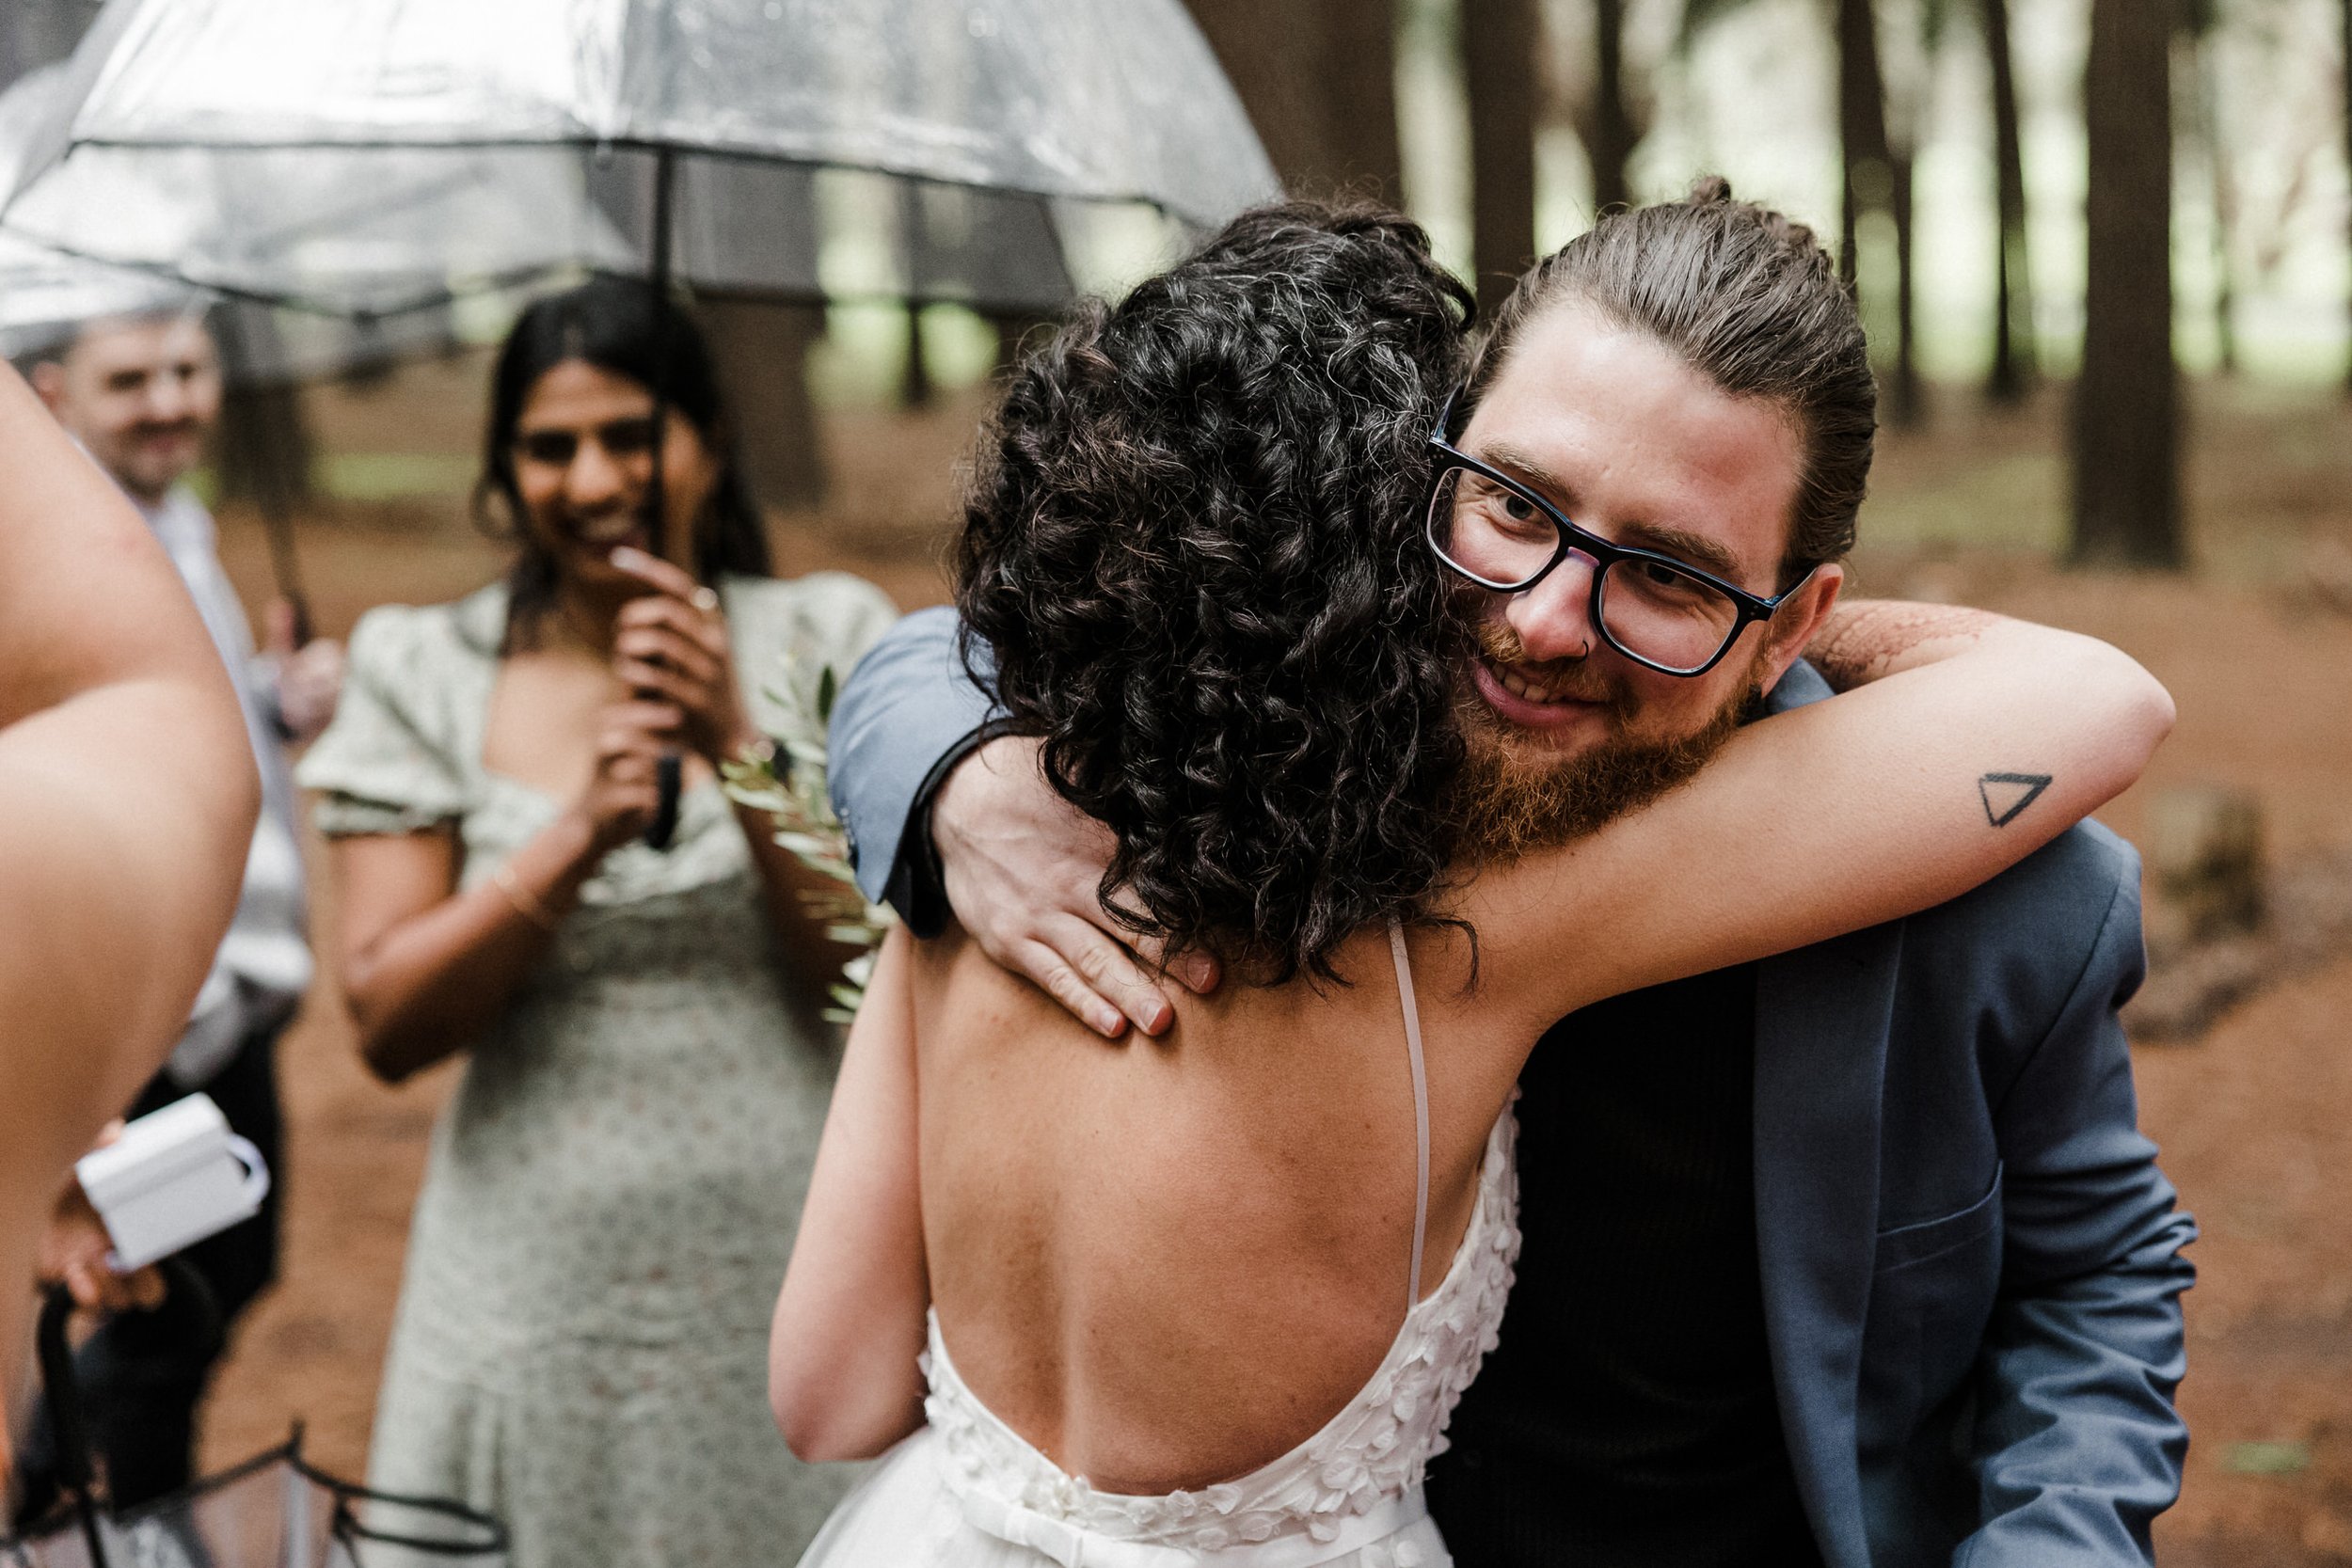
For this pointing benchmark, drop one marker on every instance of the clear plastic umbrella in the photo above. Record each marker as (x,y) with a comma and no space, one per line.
(394,243)
(394,230)
(992,152)
(999,141)
(42,290)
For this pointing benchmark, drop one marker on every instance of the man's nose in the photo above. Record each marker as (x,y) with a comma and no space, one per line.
(1554,619)
(167,400)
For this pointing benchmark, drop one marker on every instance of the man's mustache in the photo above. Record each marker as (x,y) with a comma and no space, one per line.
(156,430)
(1572,678)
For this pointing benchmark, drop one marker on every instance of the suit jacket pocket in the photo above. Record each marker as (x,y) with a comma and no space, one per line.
(1930,1295)
(1908,1244)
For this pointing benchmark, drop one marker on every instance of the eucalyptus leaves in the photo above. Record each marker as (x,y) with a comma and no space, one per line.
(795,798)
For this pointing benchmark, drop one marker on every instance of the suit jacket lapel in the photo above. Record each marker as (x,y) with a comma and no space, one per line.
(1821,1018)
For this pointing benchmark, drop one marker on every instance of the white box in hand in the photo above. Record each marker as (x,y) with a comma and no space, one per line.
(173,1178)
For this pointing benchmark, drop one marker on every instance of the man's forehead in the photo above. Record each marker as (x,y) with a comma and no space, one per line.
(1610,420)
(119,343)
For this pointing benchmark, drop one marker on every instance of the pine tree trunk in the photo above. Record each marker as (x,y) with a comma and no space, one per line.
(1318,79)
(2127,435)
(762,353)
(1362,101)
(2348,121)
(262,448)
(2224,207)
(2013,349)
(1499,39)
(1903,408)
(1861,133)
(1612,138)
(1873,180)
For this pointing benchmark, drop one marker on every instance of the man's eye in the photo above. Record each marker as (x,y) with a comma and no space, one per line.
(1519,508)
(1665,582)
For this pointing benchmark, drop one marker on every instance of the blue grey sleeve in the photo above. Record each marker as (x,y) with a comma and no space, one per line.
(909,714)
(2078,1445)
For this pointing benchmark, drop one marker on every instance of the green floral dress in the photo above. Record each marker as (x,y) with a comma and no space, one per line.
(581,1340)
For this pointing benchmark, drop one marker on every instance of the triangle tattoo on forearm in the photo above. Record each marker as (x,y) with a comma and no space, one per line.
(2006,794)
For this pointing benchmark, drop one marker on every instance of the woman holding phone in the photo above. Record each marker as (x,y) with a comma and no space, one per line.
(582,1321)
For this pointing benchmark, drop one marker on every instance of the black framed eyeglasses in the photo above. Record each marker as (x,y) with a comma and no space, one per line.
(1659,612)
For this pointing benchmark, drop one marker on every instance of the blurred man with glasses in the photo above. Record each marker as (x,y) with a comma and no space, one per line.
(1851,1257)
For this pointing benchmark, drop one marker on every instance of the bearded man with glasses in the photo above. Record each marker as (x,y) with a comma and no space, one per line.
(1854,1256)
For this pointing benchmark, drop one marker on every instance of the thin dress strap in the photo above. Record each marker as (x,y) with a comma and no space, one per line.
(1420,1108)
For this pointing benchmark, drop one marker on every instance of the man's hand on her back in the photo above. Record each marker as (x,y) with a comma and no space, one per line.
(1021,867)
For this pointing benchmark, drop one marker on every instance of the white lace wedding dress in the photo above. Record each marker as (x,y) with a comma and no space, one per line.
(967,1491)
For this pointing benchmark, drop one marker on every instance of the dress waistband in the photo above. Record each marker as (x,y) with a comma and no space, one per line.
(1072,1547)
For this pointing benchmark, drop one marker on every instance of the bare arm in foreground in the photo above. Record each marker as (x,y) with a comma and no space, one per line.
(127,798)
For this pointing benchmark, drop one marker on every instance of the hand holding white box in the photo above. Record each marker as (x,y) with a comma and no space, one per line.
(172,1178)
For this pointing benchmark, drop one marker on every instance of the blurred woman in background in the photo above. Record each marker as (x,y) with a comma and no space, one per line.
(614,1188)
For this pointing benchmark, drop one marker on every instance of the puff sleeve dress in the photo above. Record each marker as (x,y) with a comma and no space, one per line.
(581,1346)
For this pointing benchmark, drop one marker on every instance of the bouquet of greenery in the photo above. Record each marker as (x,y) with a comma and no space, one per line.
(794,795)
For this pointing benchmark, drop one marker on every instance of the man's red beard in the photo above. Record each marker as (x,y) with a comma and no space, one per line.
(1517,796)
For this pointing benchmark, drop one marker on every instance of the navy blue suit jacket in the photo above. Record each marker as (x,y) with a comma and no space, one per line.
(1971,1265)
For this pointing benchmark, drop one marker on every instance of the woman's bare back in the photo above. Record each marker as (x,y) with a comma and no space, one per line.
(1165,1263)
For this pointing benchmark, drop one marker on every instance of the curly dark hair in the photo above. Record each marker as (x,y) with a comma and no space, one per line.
(1194,549)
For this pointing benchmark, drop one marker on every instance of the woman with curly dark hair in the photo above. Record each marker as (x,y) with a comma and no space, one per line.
(1145,1295)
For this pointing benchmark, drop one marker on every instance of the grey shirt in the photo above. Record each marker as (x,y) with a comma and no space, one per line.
(265,964)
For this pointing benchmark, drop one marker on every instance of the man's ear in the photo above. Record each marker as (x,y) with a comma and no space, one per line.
(48,379)
(1798,619)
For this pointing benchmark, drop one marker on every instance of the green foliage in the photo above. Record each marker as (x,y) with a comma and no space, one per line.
(2266,1458)
(796,802)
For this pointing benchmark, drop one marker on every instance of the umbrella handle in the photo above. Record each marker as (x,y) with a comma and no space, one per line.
(286,567)
(669,777)
(669,770)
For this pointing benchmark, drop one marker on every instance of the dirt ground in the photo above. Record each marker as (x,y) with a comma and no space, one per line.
(2255,1117)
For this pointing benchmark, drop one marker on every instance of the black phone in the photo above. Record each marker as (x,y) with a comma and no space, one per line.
(669,778)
